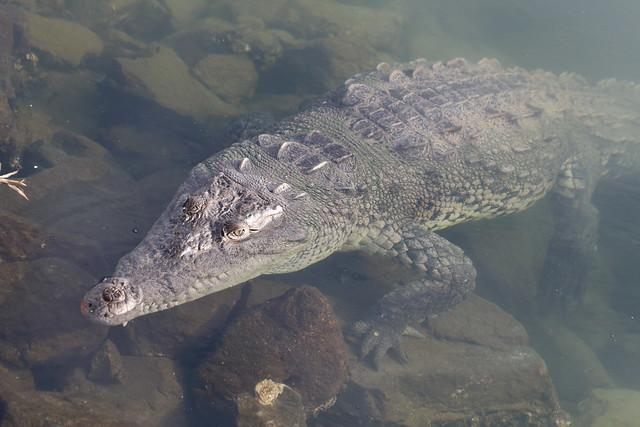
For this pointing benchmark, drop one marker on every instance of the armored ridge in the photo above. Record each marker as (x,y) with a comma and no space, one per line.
(377,165)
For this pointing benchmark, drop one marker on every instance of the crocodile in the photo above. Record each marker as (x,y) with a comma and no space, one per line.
(379,165)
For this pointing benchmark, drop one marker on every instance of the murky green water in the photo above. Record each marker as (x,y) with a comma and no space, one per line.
(106,106)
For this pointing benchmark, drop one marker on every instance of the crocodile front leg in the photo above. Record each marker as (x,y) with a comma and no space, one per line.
(444,276)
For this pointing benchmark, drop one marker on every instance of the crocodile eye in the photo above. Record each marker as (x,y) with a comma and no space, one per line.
(192,208)
(235,232)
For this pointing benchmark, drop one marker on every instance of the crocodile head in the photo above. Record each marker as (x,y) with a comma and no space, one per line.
(214,234)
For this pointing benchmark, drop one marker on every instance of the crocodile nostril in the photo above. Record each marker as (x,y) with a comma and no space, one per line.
(107,295)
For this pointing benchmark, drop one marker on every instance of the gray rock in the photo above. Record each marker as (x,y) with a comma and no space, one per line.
(165,79)
(59,41)
(231,77)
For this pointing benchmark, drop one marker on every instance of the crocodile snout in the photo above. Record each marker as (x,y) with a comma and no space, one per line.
(113,301)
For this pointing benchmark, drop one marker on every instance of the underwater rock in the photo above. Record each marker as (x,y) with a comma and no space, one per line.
(184,329)
(62,161)
(106,365)
(477,373)
(149,392)
(153,396)
(610,407)
(325,63)
(211,35)
(145,19)
(165,79)
(20,240)
(45,409)
(184,12)
(498,329)
(231,77)
(380,28)
(39,315)
(292,339)
(574,365)
(71,98)
(147,150)
(57,40)
(273,405)
(7,119)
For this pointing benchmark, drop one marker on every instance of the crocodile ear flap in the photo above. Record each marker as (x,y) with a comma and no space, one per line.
(296,235)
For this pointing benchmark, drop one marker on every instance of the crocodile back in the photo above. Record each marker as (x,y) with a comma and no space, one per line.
(435,111)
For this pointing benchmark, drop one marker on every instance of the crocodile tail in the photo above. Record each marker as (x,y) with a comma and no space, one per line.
(612,117)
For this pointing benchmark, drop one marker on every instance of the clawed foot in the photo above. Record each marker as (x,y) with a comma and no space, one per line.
(378,337)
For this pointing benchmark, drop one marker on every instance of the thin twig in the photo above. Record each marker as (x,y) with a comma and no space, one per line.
(16,185)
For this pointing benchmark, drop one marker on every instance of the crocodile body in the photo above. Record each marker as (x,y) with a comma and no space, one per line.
(378,165)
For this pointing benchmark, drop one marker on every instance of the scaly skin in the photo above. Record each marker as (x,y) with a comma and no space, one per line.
(378,165)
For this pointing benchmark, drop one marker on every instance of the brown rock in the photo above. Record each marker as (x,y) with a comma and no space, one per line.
(286,410)
(45,409)
(20,240)
(498,330)
(293,339)
(106,365)
(477,372)
(183,328)
(151,397)
(59,41)
(165,79)
(40,322)
(231,77)
(7,119)
(613,407)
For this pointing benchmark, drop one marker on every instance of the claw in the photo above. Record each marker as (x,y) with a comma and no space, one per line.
(377,340)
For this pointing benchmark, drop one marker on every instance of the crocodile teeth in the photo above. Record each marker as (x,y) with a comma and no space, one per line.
(299,196)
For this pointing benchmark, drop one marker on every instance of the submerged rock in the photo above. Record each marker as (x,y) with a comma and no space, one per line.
(153,396)
(231,77)
(273,405)
(615,407)
(59,41)
(40,322)
(293,339)
(478,372)
(106,365)
(576,368)
(185,328)
(165,79)
(7,119)
(20,240)
(497,330)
